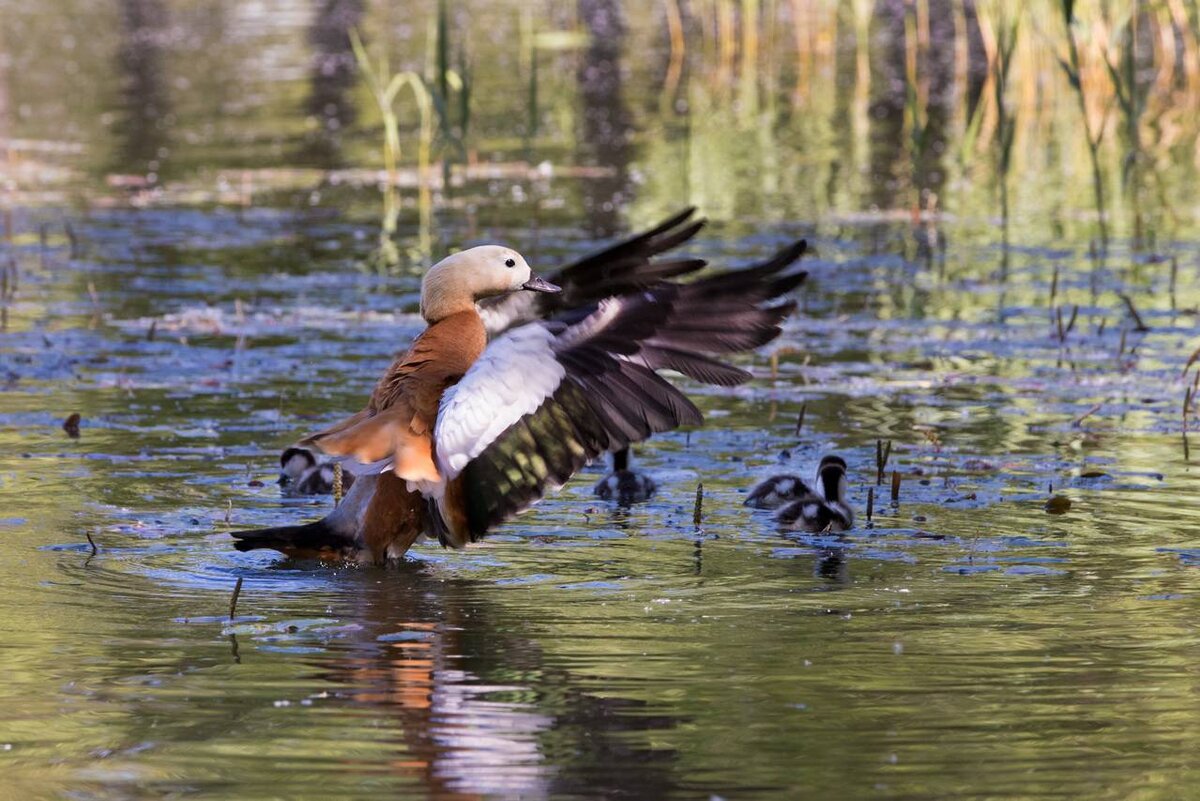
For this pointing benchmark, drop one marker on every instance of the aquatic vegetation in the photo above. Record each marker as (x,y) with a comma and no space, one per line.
(385,88)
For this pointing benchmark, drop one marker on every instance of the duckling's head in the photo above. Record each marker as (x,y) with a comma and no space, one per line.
(293,462)
(456,282)
(831,475)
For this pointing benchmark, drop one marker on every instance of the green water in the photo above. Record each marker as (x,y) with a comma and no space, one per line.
(963,644)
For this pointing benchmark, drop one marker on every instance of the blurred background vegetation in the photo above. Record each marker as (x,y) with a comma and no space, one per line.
(1071,119)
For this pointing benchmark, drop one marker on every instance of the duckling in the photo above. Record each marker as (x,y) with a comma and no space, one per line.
(294,463)
(624,485)
(776,491)
(827,511)
(460,433)
(301,475)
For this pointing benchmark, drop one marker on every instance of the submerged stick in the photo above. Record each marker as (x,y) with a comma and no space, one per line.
(698,511)
(237,590)
(800,418)
(92,543)
(1141,326)
(895,486)
(1079,420)
(870,502)
(1191,360)
(1171,283)
(73,239)
(882,454)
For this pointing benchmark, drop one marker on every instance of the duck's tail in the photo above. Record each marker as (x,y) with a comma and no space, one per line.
(317,540)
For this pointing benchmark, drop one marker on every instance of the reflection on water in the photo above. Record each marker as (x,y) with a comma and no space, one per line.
(963,643)
(332,77)
(606,126)
(145,120)
(889,89)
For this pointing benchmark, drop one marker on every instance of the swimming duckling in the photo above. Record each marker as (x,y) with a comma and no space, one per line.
(624,485)
(301,475)
(827,511)
(776,491)
(461,434)
(294,463)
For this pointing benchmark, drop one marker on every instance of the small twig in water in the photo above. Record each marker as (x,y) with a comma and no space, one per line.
(92,543)
(1191,360)
(698,511)
(73,238)
(895,487)
(870,502)
(237,590)
(800,418)
(1065,331)
(1079,420)
(1171,284)
(882,454)
(1140,326)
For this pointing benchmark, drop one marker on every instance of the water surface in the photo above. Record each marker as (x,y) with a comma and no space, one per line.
(192,223)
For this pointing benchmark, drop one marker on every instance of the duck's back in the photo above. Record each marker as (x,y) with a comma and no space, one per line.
(397,424)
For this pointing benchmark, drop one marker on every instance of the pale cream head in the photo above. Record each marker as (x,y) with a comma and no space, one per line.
(456,282)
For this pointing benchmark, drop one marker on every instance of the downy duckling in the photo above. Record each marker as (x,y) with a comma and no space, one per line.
(827,511)
(776,491)
(301,475)
(624,485)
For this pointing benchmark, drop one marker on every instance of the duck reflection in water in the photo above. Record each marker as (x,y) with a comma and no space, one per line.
(477,710)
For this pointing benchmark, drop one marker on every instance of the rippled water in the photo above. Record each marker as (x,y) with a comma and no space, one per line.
(964,642)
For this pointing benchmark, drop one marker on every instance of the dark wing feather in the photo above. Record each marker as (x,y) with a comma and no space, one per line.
(588,384)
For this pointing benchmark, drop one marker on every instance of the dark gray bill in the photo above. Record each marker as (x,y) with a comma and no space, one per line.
(539,284)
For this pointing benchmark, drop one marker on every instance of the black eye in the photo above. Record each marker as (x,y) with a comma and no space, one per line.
(509,263)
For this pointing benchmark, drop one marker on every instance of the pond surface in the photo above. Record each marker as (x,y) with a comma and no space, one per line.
(203,311)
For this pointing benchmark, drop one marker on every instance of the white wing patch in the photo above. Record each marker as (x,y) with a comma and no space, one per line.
(512,378)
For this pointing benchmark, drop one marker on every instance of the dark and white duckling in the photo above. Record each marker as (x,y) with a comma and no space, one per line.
(625,485)
(776,491)
(301,475)
(827,511)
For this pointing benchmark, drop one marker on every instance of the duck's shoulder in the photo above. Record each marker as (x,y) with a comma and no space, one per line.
(439,356)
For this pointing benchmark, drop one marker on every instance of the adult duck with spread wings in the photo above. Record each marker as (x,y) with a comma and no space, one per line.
(461,433)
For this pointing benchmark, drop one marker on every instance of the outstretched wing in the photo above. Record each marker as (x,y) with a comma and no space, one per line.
(625,267)
(548,397)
